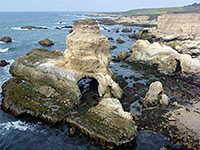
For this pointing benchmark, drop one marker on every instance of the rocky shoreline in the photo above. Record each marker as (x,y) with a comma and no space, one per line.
(45,85)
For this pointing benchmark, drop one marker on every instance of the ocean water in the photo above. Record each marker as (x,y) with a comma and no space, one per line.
(30,133)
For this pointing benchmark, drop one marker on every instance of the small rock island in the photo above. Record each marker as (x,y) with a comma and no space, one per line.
(45,85)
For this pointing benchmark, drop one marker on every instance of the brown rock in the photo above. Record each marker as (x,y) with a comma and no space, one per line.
(46,42)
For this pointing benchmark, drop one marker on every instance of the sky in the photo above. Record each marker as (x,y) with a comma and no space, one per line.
(88,5)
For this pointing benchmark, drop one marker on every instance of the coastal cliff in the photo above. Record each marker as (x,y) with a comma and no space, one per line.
(179,23)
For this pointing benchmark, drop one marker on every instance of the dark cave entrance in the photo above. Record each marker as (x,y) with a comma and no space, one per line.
(89,90)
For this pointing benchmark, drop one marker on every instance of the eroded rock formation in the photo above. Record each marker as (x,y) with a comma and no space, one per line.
(45,85)
(155,95)
(87,55)
(167,59)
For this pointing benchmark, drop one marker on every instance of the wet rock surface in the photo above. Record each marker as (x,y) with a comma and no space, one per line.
(3,63)
(107,123)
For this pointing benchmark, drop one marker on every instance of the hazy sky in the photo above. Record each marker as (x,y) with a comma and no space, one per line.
(87,5)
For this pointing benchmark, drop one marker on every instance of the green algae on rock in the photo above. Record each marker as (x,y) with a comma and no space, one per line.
(35,99)
(46,42)
(6,39)
(106,123)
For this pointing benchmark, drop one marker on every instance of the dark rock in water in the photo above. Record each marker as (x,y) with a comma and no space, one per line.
(6,39)
(110,38)
(112,47)
(106,123)
(119,40)
(3,63)
(33,27)
(59,28)
(134,36)
(46,42)
(127,30)
(117,31)
(70,31)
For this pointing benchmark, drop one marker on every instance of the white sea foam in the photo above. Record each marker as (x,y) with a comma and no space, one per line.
(17,28)
(1,42)
(3,50)
(16,125)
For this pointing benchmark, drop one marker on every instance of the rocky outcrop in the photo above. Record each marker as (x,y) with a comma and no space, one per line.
(46,42)
(55,75)
(188,23)
(107,123)
(155,95)
(179,31)
(33,27)
(6,39)
(168,60)
(45,85)
(3,63)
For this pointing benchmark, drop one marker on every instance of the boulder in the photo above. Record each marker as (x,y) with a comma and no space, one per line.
(155,95)
(126,30)
(110,38)
(107,123)
(46,42)
(3,63)
(123,55)
(112,47)
(6,39)
(119,40)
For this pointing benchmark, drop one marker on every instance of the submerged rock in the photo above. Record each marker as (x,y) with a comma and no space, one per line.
(155,95)
(127,30)
(107,123)
(46,42)
(3,63)
(112,47)
(6,39)
(119,40)
(33,27)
